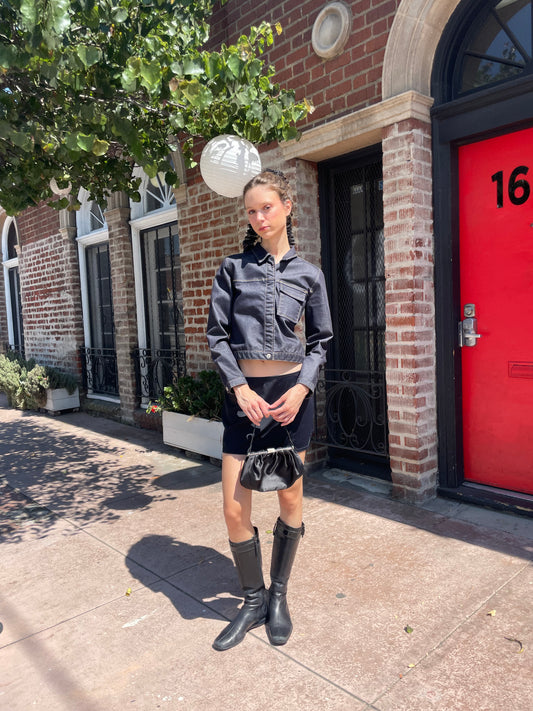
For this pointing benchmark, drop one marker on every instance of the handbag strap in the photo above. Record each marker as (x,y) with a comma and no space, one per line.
(255,427)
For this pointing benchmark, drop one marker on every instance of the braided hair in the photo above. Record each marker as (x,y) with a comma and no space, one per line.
(275,180)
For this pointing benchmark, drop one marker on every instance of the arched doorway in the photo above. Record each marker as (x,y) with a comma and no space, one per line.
(482,84)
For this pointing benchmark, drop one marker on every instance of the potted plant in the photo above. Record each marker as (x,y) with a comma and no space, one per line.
(30,386)
(191,410)
(62,392)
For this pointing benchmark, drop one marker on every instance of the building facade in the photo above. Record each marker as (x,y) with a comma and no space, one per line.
(412,192)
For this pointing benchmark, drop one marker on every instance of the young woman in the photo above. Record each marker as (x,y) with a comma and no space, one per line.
(258,298)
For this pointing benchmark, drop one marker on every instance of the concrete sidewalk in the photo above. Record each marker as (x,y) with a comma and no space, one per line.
(116,576)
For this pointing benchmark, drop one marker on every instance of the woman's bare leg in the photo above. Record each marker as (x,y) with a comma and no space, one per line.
(237,500)
(291,501)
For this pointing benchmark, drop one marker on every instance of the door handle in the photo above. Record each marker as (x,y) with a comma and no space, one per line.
(468,335)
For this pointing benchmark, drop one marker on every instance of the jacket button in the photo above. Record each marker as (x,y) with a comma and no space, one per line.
(268,355)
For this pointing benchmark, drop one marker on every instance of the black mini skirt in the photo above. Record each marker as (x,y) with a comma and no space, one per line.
(238,429)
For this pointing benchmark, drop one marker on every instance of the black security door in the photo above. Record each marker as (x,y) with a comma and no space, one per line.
(352,404)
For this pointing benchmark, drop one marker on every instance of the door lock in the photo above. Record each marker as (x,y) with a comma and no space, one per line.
(468,334)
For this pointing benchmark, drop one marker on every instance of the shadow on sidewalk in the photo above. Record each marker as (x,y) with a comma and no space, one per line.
(206,576)
(52,469)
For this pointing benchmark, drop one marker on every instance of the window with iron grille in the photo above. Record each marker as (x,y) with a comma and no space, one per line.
(163,361)
(99,360)
(12,275)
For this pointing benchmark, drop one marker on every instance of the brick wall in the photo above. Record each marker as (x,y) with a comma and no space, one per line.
(335,87)
(50,290)
(410,311)
(117,217)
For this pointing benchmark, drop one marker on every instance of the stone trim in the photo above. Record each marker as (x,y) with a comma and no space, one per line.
(357,130)
(417,28)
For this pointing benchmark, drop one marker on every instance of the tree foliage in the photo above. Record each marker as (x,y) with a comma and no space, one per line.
(89,88)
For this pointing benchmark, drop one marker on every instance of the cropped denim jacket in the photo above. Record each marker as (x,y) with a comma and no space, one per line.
(255,306)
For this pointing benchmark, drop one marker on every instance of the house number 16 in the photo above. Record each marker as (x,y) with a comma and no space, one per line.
(518,189)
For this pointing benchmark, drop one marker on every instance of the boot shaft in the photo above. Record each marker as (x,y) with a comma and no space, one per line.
(285,545)
(249,563)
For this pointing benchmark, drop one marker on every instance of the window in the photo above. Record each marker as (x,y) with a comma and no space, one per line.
(156,195)
(160,358)
(99,358)
(100,296)
(497,46)
(96,216)
(161,251)
(15,326)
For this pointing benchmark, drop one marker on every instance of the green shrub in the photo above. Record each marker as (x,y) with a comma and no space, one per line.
(25,382)
(201,396)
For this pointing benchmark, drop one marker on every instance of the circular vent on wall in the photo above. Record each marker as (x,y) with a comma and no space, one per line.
(331,30)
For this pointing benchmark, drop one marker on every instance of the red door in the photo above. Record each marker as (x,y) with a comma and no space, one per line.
(496,264)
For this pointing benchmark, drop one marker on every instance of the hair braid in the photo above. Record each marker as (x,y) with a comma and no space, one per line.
(250,238)
(289,231)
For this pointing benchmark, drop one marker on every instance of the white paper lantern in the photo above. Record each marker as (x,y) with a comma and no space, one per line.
(228,163)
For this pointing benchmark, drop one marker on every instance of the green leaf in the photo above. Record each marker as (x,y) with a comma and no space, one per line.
(29,12)
(22,140)
(274,113)
(213,65)
(131,74)
(254,68)
(100,147)
(120,14)
(71,141)
(171,178)
(150,169)
(86,142)
(89,55)
(177,120)
(193,66)
(150,74)
(196,94)
(8,56)
(235,65)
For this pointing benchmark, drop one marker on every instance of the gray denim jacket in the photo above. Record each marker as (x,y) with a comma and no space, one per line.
(255,306)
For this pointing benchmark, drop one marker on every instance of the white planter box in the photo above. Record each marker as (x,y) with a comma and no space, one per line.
(193,434)
(60,399)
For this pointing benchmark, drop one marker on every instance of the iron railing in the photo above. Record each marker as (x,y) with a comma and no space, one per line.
(99,371)
(19,349)
(351,412)
(155,369)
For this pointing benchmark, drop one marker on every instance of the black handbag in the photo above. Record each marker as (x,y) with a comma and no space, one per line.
(271,469)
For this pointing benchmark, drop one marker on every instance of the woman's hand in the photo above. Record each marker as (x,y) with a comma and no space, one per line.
(252,404)
(285,409)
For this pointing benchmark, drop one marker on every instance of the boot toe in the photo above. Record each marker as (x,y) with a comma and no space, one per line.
(278,637)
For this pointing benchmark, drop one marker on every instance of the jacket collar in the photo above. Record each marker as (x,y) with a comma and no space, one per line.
(262,255)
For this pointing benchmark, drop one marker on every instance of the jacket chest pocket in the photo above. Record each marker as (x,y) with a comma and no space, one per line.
(290,301)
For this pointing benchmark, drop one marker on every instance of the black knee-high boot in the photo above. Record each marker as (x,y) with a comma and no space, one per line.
(286,539)
(247,557)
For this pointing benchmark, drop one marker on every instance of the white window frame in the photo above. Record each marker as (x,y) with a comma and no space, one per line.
(9,264)
(140,221)
(85,239)
(153,219)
